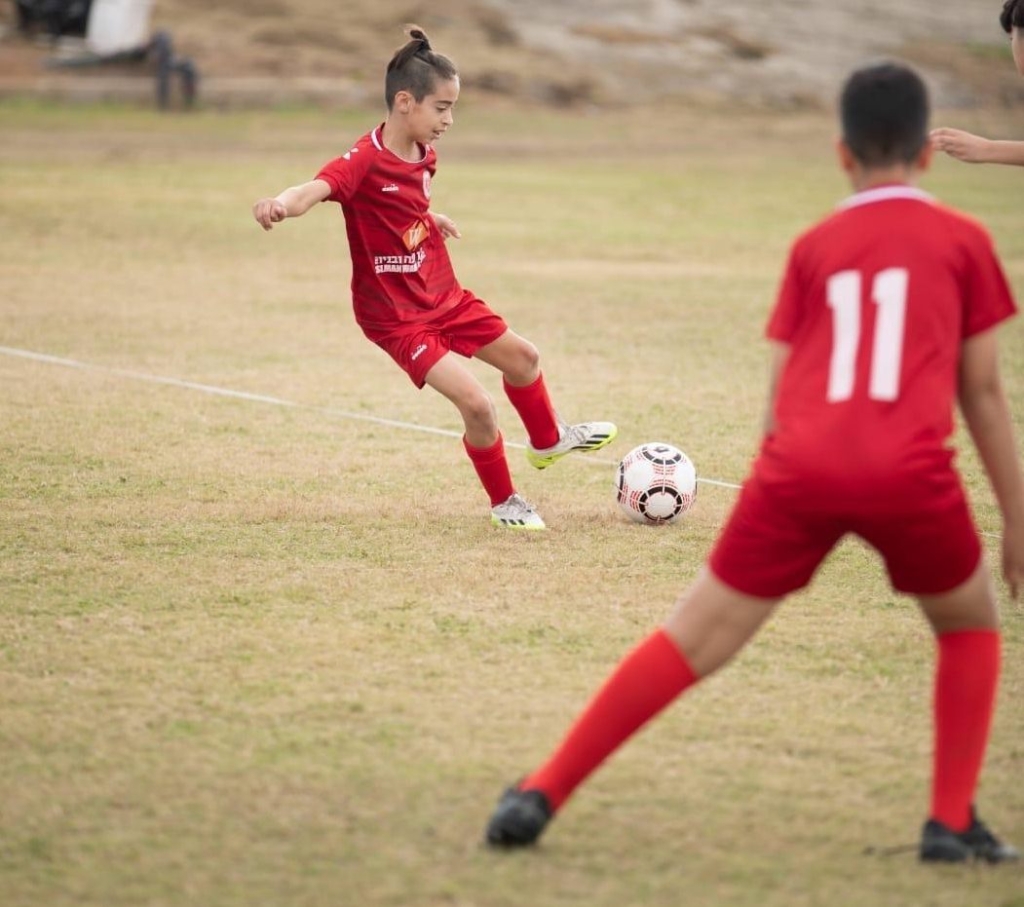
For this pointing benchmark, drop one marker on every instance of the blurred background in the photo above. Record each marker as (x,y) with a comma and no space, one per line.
(569,53)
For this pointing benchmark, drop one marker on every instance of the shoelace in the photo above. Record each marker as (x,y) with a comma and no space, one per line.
(578,434)
(517,506)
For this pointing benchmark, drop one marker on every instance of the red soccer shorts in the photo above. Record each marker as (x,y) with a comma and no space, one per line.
(775,540)
(462,329)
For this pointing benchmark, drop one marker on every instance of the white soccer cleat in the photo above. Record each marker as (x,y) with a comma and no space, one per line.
(516,513)
(581,438)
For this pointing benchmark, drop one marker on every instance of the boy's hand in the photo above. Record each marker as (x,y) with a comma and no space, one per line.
(959,144)
(1013,559)
(446,225)
(269,211)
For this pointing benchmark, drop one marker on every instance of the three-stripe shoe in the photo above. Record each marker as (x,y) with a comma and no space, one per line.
(519,819)
(940,844)
(581,438)
(516,513)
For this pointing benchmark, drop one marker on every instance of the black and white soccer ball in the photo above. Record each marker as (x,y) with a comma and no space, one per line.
(656,483)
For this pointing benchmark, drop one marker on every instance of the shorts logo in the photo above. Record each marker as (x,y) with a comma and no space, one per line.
(422,348)
(415,235)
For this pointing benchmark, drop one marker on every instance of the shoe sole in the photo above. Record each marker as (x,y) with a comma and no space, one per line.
(940,853)
(538,462)
(519,527)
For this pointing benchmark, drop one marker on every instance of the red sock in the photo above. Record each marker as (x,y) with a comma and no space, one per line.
(535,409)
(492,468)
(965,690)
(643,684)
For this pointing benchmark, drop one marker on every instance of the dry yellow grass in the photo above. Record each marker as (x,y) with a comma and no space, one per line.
(258,653)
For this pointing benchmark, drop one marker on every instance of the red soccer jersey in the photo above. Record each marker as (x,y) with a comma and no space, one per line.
(401,273)
(875,304)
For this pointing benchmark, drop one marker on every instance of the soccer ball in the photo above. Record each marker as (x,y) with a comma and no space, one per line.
(656,483)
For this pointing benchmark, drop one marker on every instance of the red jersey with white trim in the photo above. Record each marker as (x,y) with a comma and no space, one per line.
(401,273)
(875,304)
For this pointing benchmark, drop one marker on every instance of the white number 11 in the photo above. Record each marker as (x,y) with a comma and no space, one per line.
(889,293)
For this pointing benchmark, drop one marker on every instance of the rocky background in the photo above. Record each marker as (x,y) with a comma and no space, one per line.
(782,53)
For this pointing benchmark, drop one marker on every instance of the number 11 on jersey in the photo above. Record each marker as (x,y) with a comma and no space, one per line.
(889,294)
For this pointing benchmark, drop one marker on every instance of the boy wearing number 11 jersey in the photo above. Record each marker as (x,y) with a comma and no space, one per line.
(885,319)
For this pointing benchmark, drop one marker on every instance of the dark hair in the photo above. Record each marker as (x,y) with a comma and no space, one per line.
(884,112)
(415,68)
(1012,15)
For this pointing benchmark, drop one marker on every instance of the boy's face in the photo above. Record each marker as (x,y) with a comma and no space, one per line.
(430,118)
(1017,46)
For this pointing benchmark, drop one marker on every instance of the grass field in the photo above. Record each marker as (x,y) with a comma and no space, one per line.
(266,650)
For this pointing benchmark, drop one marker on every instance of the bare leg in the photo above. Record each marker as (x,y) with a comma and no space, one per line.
(970,606)
(516,358)
(453,380)
(711,622)
(482,440)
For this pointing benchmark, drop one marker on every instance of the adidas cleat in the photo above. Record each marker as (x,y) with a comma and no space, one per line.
(516,513)
(581,438)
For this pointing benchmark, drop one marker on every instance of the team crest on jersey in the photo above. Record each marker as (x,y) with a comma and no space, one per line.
(415,235)
(426,184)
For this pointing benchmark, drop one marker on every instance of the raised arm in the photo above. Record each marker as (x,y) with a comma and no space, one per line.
(987,415)
(293,202)
(974,149)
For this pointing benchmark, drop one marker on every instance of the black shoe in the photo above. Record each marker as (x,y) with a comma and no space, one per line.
(940,844)
(519,819)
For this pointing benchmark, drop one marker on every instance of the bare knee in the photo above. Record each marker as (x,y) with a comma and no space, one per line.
(712,622)
(479,415)
(524,366)
(970,606)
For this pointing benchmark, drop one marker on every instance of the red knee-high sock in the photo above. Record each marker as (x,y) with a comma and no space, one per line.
(534,407)
(966,677)
(492,468)
(643,684)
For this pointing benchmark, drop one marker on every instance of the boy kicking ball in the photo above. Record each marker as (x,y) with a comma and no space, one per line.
(405,294)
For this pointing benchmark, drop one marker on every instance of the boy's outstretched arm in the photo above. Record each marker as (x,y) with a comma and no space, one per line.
(974,149)
(293,202)
(987,415)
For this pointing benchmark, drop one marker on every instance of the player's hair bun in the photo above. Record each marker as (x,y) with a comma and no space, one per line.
(418,34)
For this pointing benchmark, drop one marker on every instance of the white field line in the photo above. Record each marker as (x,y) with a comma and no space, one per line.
(273,401)
(277,401)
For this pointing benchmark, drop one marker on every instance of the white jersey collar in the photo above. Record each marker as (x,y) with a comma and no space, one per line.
(884,194)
